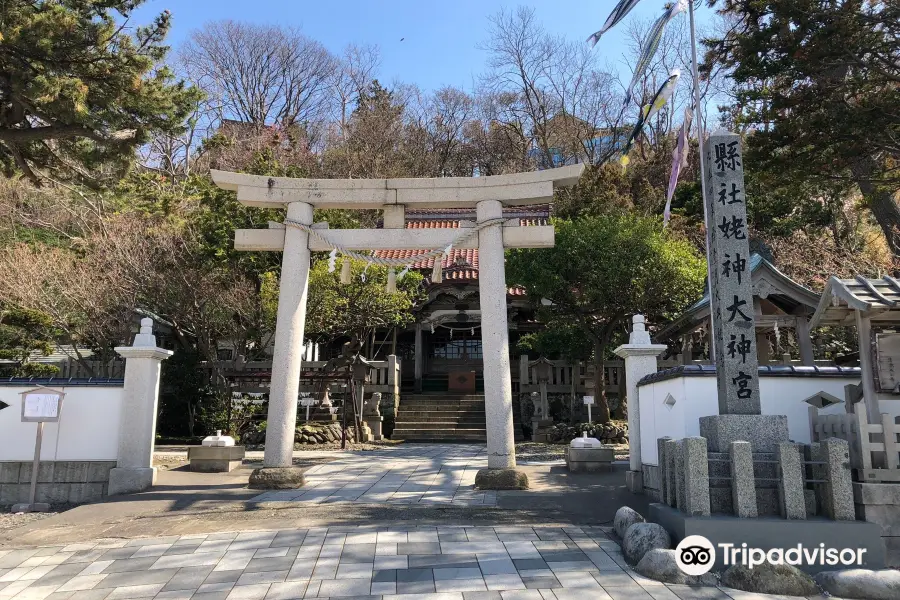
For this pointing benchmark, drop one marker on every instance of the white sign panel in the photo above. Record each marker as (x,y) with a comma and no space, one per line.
(40,406)
(588,400)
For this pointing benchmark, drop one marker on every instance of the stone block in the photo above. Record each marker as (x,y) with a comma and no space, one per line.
(886,515)
(376,424)
(53,493)
(764,432)
(838,491)
(812,504)
(276,478)
(215,459)
(13,493)
(671,450)
(721,501)
(678,471)
(876,493)
(791,485)
(45,472)
(99,471)
(768,502)
(696,475)
(501,479)
(589,455)
(9,472)
(661,461)
(634,481)
(71,472)
(743,481)
(131,480)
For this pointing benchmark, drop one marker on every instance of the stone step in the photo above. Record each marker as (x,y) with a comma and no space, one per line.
(434,435)
(447,425)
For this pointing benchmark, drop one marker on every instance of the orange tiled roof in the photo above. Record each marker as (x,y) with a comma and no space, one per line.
(461,265)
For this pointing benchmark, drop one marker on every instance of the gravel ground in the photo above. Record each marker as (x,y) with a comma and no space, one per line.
(9,520)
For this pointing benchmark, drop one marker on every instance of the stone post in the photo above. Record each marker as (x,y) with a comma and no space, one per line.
(696,477)
(838,500)
(640,360)
(290,323)
(671,449)
(743,480)
(495,340)
(134,471)
(790,481)
(662,469)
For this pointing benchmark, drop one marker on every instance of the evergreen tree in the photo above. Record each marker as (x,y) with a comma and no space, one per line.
(78,90)
(818,83)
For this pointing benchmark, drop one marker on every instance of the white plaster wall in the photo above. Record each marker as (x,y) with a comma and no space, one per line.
(88,428)
(696,397)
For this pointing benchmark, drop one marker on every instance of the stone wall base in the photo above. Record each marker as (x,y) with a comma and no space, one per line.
(130,480)
(59,482)
(879,503)
(767,533)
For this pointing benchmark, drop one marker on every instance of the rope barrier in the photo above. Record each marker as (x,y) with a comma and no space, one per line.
(397,262)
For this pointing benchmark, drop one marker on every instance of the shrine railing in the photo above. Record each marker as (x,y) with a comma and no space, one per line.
(874,448)
(572,378)
(254,377)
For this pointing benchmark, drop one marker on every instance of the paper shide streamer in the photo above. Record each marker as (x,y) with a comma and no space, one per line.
(679,161)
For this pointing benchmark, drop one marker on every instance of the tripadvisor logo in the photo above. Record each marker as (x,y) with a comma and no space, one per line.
(696,555)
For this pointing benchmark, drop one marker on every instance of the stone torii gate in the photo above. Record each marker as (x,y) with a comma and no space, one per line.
(299,197)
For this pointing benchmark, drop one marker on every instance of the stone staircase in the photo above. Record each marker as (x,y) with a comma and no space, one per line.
(443,417)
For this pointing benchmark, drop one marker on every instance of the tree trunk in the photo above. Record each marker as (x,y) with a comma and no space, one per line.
(880,201)
(600,411)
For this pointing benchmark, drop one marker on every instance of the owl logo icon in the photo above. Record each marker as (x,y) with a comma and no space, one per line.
(695,555)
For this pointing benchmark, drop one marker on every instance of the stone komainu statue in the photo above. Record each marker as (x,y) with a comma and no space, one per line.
(370,409)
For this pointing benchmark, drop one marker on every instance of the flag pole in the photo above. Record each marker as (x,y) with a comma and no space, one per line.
(698,112)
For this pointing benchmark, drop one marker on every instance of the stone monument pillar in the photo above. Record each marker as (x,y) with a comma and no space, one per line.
(134,471)
(495,340)
(731,290)
(640,361)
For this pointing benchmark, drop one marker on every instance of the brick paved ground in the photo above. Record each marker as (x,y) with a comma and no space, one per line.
(389,563)
(408,474)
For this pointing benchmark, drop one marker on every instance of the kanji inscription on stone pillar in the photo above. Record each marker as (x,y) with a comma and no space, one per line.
(731,287)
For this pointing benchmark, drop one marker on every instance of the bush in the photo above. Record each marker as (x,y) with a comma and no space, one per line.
(614,432)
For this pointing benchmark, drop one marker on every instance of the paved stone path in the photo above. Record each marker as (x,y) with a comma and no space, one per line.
(409,474)
(384,563)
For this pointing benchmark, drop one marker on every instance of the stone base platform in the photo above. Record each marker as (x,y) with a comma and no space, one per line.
(767,533)
(215,459)
(764,432)
(501,479)
(587,460)
(879,503)
(276,478)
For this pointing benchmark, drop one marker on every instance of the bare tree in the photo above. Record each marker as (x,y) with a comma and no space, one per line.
(355,70)
(550,90)
(261,74)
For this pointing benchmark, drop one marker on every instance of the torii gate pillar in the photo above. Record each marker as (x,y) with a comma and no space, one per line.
(495,340)
(289,328)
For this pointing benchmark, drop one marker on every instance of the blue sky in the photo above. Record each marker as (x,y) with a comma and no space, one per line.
(441,38)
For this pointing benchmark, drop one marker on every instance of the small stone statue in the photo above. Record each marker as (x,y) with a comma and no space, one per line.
(370,408)
(536,401)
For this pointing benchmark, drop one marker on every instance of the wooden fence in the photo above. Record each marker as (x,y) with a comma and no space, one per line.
(874,448)
(572,378)
(254,377)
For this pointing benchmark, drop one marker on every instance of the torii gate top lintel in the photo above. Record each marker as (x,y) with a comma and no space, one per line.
(535,187)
